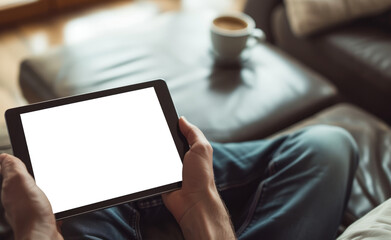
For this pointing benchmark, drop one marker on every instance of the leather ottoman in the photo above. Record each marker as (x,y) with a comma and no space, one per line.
(267,92)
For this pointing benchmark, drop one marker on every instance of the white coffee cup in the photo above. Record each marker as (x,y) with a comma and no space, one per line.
(230,33)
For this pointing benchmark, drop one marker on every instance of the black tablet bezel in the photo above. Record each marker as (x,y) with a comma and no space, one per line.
(20,149)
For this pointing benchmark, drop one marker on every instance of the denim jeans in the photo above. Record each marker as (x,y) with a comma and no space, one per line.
(295,186)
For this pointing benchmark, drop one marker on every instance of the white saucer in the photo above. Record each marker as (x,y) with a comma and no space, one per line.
(243,57)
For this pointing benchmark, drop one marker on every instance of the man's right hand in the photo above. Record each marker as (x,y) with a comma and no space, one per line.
(26,207)
(197,206)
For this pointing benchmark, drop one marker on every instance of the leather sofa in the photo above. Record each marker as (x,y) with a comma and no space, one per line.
(355,56)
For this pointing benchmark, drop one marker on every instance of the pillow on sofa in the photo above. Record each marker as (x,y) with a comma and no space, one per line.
(309,16)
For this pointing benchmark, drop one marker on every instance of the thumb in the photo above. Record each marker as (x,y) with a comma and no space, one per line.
(10,165)
(192,133)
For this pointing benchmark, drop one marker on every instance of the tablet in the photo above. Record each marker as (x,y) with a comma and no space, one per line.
(100,149)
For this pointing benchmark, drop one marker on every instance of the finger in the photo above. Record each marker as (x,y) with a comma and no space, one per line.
(2,156)
(59,225)
(10,164)
(192,133)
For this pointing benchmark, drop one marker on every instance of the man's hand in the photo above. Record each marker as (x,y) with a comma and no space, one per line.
(27,209)
(197,206)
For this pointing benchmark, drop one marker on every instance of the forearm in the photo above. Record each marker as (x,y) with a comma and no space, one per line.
(207,220)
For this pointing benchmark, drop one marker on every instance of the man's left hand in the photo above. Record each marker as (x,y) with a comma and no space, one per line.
(27,208)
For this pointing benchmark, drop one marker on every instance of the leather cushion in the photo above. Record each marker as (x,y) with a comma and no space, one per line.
(265,93)
(363,47)
(356,58)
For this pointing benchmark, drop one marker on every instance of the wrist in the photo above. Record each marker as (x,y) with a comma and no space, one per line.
(38,230)
(39,234)
(207,219)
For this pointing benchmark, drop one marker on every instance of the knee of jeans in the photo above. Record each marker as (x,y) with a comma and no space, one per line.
(332,148)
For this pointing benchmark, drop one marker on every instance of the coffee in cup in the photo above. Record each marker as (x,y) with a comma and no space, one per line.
(230,23)
(230,33)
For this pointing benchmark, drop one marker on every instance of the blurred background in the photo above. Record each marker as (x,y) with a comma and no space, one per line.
(33,27)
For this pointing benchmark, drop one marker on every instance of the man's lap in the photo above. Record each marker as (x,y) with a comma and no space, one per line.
(298,186)
(257,181)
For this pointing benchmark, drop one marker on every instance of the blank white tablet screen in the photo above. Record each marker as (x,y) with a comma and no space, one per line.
(95,150)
